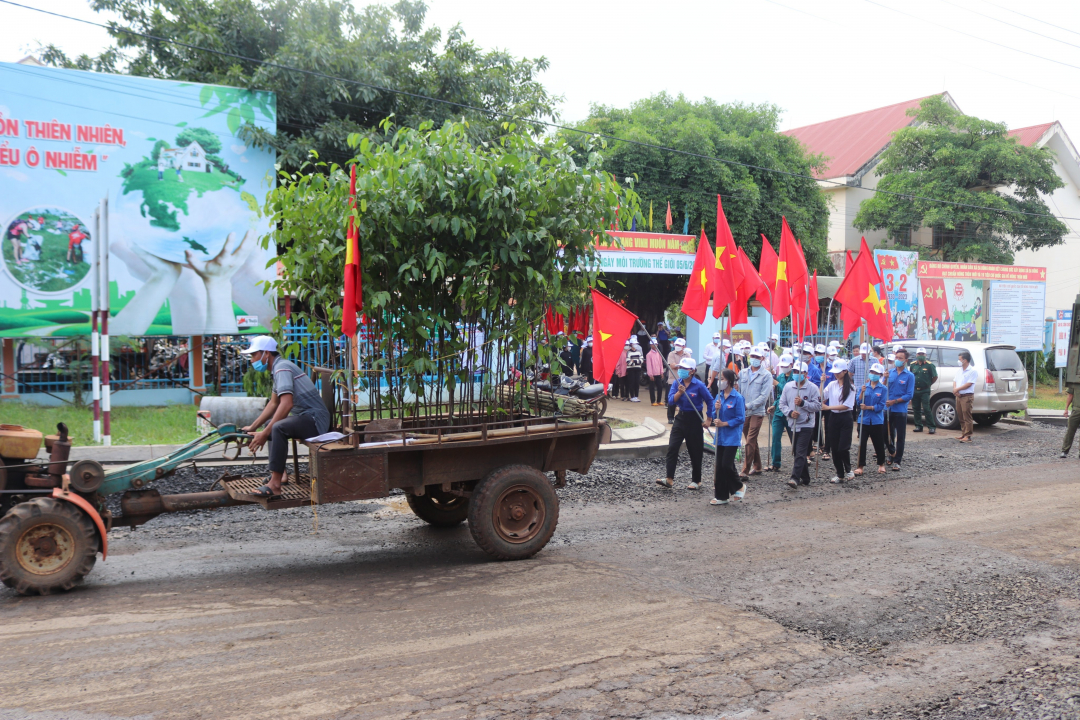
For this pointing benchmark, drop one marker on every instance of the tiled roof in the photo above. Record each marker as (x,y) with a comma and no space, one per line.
(850,142)
(1031,135)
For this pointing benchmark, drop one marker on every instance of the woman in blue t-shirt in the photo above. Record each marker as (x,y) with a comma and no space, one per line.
(730,414)
(872,417)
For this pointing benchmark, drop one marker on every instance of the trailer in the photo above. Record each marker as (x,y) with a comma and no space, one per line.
(493,473)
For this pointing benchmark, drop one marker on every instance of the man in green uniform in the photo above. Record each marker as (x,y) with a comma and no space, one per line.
(1073,422)
(925,376)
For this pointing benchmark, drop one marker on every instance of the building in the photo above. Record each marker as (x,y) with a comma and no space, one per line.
(853,146)
(189,159)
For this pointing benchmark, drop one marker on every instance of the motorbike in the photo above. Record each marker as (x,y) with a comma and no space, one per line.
(593,395)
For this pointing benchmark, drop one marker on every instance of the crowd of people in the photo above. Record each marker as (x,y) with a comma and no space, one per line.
(815,395)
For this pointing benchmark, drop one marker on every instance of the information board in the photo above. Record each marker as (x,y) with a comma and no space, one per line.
(899,272)
(638,252)
(1062,326)
(1016,314)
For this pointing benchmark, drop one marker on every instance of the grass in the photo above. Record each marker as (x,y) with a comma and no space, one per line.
(51,272)
(1047,400)
(169,425)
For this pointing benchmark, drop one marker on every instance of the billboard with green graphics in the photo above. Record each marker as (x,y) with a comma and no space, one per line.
(184,194)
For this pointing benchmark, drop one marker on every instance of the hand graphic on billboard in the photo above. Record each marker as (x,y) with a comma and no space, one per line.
(217,275)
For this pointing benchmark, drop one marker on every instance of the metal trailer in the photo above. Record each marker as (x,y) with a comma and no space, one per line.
(491,473)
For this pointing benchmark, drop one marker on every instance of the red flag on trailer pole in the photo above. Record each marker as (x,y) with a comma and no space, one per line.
(696,302)
(727,273)
(667,220)
(863,292)
(850,319)
(612,324)
(353,301)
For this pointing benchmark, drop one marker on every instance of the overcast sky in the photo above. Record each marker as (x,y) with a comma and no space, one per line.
(815,60)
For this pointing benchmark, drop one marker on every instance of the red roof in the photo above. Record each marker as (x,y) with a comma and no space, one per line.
(850,142)
(1030,135)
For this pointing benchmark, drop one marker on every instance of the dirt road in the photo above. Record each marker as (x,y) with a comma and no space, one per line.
(949,594)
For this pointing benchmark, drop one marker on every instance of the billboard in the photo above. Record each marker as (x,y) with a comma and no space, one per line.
(184,195)
(899,272)
(950,309)
(1062,328)
(641,252)
(1016,314)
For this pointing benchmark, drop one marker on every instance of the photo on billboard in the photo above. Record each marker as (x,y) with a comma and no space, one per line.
(950,309)
(899,273)
(184,195)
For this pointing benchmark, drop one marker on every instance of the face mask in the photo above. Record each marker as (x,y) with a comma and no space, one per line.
(799,377)
(898,363)
(960,363)
(921,358)
(259,365)
(755,363)
(819,358)
(684,373)
(874,377)
(723,384)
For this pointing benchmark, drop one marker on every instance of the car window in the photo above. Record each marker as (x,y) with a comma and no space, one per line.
(933,355)
(1003,359)
(950,357)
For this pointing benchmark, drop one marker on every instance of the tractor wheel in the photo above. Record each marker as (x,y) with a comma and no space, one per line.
(439,509)
(46,545)
(513,512)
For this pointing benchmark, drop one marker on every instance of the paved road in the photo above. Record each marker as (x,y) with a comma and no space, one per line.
(923,593)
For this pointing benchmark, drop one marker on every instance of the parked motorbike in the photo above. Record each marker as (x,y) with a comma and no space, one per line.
(578,387)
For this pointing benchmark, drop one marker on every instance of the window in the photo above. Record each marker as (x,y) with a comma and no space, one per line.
(1003,359)
(933,355)
(945,236)
(950,357)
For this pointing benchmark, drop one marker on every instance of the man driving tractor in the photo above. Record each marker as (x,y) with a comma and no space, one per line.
(295,409)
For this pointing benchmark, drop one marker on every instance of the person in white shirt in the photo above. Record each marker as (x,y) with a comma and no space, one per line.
(964,390)
(838,403)
(712,350)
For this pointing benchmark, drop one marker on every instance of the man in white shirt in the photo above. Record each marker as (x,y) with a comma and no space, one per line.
(712,350)
(964,390)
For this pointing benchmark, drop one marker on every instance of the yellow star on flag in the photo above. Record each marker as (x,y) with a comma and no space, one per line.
(872,297)
(704,279)
(940,292)
(781,270)
(604,336)
(719,256)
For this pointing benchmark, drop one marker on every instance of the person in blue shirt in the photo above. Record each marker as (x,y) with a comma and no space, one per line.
(695,405)
(901,390)
(872,417)
(730,415)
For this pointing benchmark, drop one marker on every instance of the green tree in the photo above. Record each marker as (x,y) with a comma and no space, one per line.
(993,187)
(754,199)
(450,230)
(381,46)
(209,141)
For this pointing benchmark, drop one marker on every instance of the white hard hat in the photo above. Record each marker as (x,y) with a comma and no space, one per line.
(839,366)
(877,368)
(260,343)
(679,342)
(688,363)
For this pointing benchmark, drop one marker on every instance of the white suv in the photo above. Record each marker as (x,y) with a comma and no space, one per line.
(1001,388)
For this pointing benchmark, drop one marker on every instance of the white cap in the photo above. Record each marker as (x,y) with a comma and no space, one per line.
(716,336)
(839,366)
(798,366)
(785,361)
(864,348)
(260,343)
(833,353)
(559,333)
(877,368)
(688,363)
(588,340)
(820,348)
(727,343)
(896,347)
(689,352)
(626,344)
(755,352)
(634,340)
(655,342)
(808,348)
(890,357)
(834,343)
(679,342)
(775,337)
(920,351)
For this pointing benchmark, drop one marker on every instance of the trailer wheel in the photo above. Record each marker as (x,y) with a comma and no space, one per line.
(513,512)
(46,545)
(439,509)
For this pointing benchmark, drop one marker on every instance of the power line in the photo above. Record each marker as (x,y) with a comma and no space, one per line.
(556,126)
(1032,17)
(1018,27)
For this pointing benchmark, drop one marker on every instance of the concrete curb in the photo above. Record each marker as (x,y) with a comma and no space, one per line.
(648,430)
(1050,417)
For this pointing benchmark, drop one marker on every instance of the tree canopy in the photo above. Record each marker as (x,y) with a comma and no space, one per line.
(995,186)
(209,141)
(754,198)
(382,47)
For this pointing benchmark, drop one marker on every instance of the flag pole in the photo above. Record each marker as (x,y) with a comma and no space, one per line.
(821,389)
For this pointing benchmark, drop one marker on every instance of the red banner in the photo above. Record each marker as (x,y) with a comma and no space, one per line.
(980,271)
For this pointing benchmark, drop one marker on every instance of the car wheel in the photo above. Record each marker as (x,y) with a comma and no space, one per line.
(945,414)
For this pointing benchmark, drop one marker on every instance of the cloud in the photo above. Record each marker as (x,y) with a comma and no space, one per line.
(16,175)
(238,149)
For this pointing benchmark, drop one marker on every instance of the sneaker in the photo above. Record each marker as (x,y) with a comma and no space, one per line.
(836,480)
(792,484)
(1064,455)
(850,476)
(741,493)
(692,486)
(635,400)
(714,501)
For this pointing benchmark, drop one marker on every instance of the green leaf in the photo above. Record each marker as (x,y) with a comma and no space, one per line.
(233,120)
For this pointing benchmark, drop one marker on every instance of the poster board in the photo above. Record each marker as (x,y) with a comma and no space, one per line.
(950,309)
(899,272)
(640,252)
(1062,328)
(1016,314)
(184,194)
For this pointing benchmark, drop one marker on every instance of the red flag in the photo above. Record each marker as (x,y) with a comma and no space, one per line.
(849,318)
(767,266)
(935,302)
(353,281)
(727,270)
(813,307)
(749,284)
(667,220)
(612,324)
(789,279)
(863,292)
(696,302)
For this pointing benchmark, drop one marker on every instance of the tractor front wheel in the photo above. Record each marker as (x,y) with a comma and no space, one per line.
(46,545)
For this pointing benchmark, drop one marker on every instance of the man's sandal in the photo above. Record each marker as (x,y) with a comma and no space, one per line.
(669,484)
(266,492)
